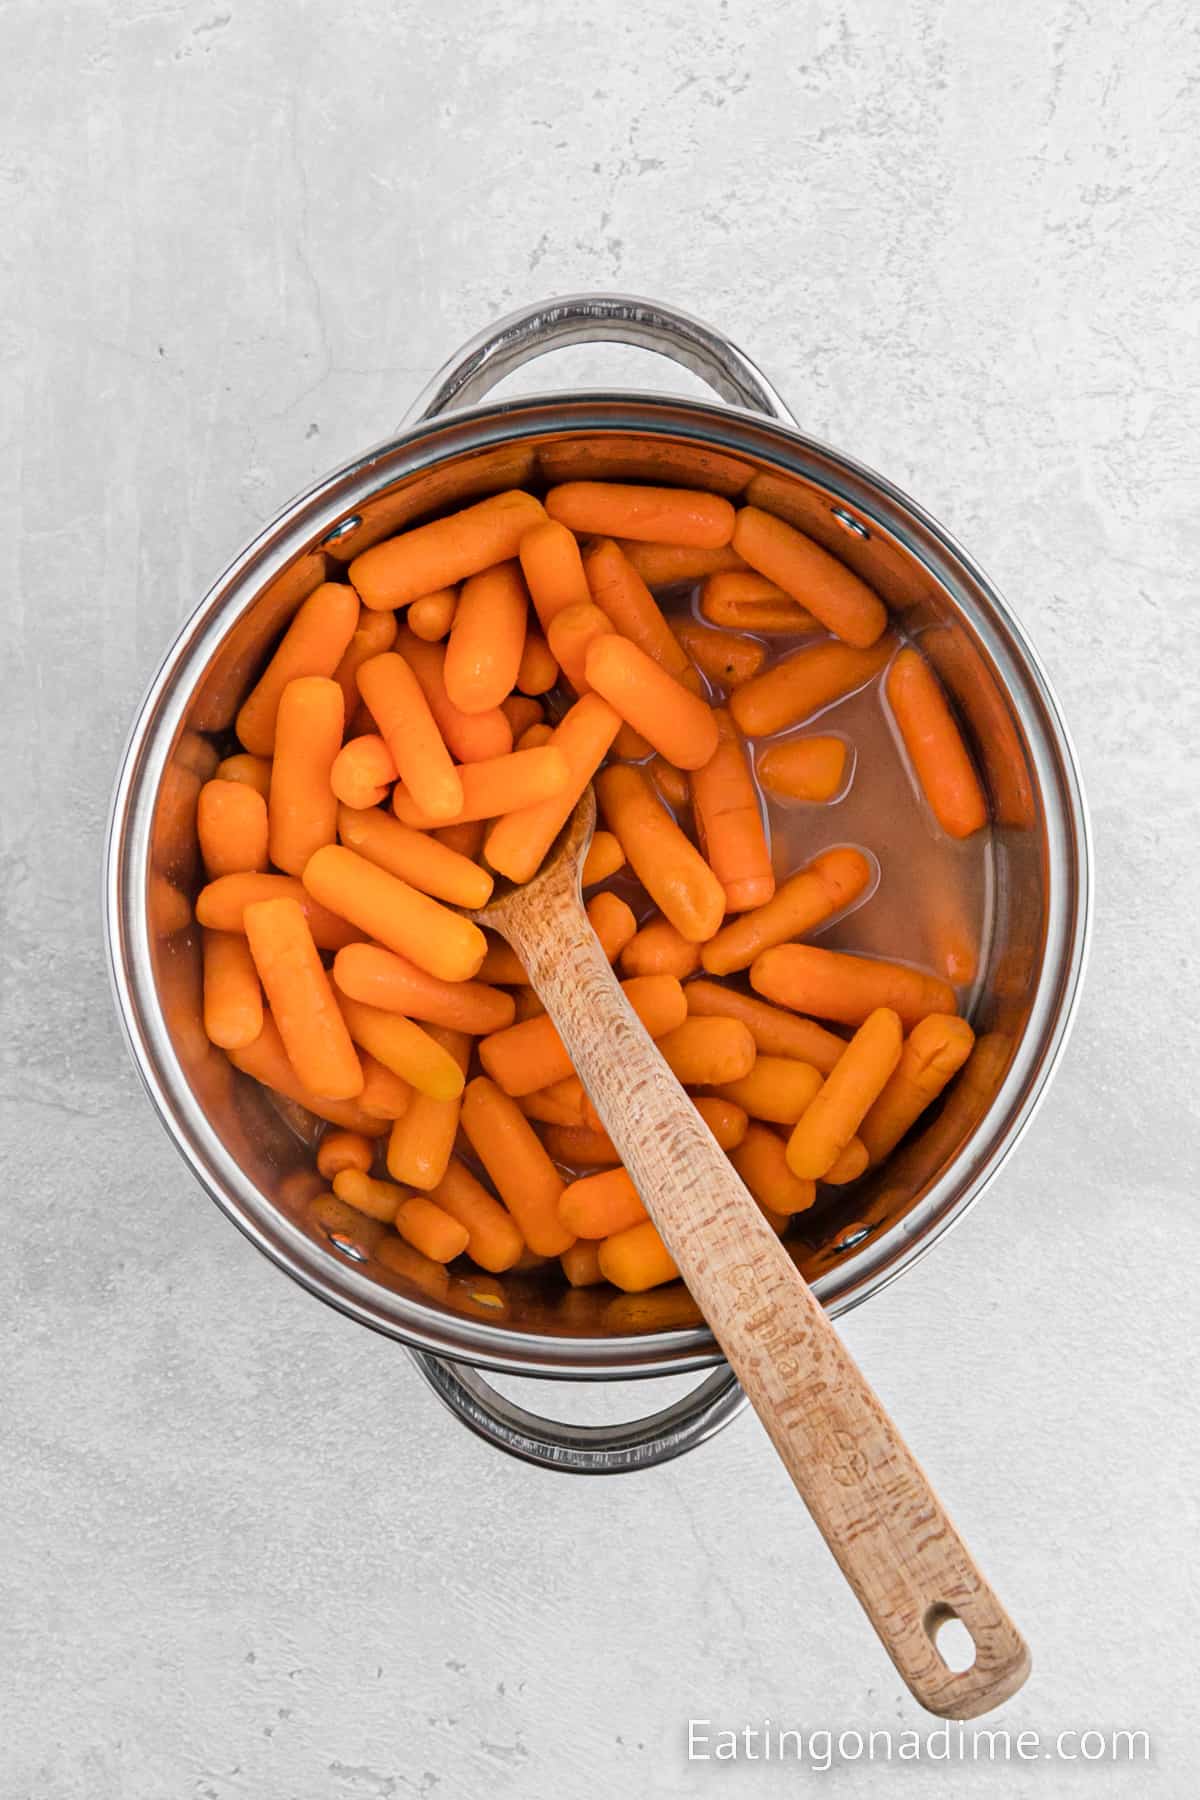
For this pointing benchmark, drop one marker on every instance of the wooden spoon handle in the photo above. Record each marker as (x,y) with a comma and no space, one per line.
(871,1500)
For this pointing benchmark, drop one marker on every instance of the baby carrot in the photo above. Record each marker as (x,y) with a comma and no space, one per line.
(834,1116)
(233,1008)
(431,617)
(845,988)
(222,905)
(537,671)
(301,999)
(407,1049)
(761,1161)
(579,1146)
(727,1121)
(446,551)
(363,772)
(662,565)
(366,1194)
(581,1264)
(471,737)
(670,868)
(658,949)
(805,683)
(401,1259)
(553,570)
(775,1033)
(385,1095)
(428,1229)
(636,1259)
(313,644)
(720,655)
(531,1055)
(596,1206)
(573,631)
(551,1108)
(631,609)
(831,592)
(677,722)
(502,964)
(934,1051)
(743,601)
(850,1163)
(572,1100)
(831,882)
(302,806)
(672,783)
(604,857)
(935,746)
(465,839)
(511,1152)
(648,514)
(487,639)
(809,768)
(527,1004)
(414,856)
(420,1145)
(410,731)
(406,921)
(518,842)
(392,983)
(493,1240)
(777,1089)
(504,784)
(708,1052)
(536,738)
(267,1062)
(340,1150)
(374,633)
(729,822)
(231,824)
(251,771)
(521,711)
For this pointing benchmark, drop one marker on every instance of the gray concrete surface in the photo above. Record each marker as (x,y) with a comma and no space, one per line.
(244,1551)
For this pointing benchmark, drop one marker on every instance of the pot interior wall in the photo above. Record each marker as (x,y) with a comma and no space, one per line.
(273,1143)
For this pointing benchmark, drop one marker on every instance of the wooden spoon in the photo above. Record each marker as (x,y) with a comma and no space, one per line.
(871,1501)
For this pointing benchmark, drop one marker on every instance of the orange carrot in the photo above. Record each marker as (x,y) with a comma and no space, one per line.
(636,1259)
(672,783)
(553,571)
(251,771)
(729,821)
(430,1230)
(408,727)
(404,920)
(936,1048)
(631,609)
(302,806)
(374,633)
(604,857)
(935,747)
(363,772)
(350,1230)
(301,999)
(671,869)
(312,645)
(493,1240)
(658,949)
(777,1089)
(394,984)
(775,1033)
(502,964)
(531,1055)
(414,856)
(648,514)
(538,671)
(743,601)
(761,1161)
(504,784)
(465,839)
(487,639)
(340,1150)
(573,1104)
(720,655)
(471,737)
(437,555)
(385,1095)
(518,842)
(805,683)
(267,1062)
(663,565)
(409,1050)
(233,1008)
(431,617)
(366,1194)
(844,988)
(421,1141)
(677,722)
(581,1264)
(401,1259)
(596,1206)
(850,1163)
(727,1121)
(844,604)
(830,883)
(708,1052)
(222,905)
(808,768)
(551,1107)
(231,824)
(525,1178)
(521,712)
(579,1146)
(834,1116)
(573,631)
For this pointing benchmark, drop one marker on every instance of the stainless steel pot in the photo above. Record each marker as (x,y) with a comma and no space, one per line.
(254,1162)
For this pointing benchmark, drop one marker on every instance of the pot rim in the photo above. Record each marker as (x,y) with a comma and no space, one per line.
(305,524)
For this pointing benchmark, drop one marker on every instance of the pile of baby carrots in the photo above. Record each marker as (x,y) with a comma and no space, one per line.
(428,727)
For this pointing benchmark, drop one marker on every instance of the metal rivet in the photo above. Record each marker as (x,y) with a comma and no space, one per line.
(848,522)
(348,1247)
(344,529)
(851,1239)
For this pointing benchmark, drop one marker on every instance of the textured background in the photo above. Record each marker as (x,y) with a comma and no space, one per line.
(246,1553)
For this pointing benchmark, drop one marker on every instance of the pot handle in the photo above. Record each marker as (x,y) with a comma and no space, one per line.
(592,319)
(615,1449)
